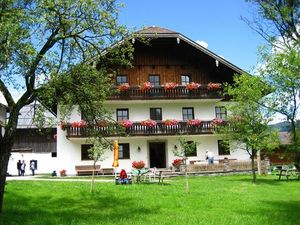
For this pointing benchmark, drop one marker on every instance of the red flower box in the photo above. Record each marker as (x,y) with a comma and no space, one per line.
(123,87)
(170,86)
(217,121)
(192,86)
(214,86)
(63,125)
(194,122)
(146,86)
(126,123)
(138,165)
(148,123)
(80,124)
(170,122)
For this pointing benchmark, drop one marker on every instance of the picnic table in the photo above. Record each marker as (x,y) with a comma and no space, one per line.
(287,172)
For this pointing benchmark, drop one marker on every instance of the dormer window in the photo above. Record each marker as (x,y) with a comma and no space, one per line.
(121,79)
(185,79)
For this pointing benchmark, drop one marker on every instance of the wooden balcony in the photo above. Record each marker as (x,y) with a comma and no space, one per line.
(180,92)
(206,127)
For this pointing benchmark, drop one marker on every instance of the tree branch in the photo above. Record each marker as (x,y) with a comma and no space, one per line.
(8,97)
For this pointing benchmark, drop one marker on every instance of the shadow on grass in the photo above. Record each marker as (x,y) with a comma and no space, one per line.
(95,208)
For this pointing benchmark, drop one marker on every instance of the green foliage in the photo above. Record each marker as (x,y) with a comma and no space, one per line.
(99,148)
(186,148)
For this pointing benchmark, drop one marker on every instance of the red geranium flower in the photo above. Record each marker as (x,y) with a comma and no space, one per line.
(138,164)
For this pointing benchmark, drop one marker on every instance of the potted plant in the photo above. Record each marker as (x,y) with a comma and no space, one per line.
(146,86)
(176,164)
(148,123)
(213,86)
(194,122)
(126,123)
(63,173)
(170,86)
(218,121)
(170,122)
(123,87)
(192,86)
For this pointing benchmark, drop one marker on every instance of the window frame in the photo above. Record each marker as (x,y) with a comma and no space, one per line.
(127,155)
(159,116)
(121,82)
(184,81)
(117,114)
(221,112)
(155,83)
(187,115)
(84,151)
(222,149)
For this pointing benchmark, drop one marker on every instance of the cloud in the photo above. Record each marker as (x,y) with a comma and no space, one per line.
(202,43)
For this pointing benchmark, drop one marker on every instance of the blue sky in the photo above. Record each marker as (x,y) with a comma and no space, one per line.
(217,22)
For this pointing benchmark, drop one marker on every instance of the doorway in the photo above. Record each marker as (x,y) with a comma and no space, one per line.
(157,152)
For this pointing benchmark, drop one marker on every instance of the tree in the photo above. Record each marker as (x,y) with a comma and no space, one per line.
(57,52)
(186,148)
(278,22)
(247,126)
(96,152)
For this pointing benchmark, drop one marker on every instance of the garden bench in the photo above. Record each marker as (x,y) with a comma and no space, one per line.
(87,169)
(107,171)
(162,174)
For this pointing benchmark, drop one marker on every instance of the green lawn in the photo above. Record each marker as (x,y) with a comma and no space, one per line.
(216,200)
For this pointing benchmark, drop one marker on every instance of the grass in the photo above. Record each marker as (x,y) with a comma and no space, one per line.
(216,200)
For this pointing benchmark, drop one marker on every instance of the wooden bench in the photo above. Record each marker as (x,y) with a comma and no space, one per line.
(107,171)
(87,169)
(162,174)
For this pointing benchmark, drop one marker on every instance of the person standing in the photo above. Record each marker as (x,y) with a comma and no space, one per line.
(19,167)
(32,167)
(210,157)
(23,166)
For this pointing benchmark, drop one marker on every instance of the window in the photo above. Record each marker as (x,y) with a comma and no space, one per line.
(192,149)
(185,79)
(223,147)
(84,151)
(187,113)
(155,114)
(124,152)
(122,114)
(154,80)
(221,112)
(121,79)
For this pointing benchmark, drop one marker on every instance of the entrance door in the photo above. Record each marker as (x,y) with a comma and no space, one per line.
(157,152)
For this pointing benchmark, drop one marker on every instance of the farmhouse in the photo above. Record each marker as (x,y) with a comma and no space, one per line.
(174,90)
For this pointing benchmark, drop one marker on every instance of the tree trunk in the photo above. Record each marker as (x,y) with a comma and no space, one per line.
(253,167)
(187,189)
(258,163)
(93,178)
(5,149)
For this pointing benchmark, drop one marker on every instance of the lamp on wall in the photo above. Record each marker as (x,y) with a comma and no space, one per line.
(175,147)
(139,149)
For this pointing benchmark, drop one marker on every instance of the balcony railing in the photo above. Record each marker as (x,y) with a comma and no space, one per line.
(180,92)
(206,127)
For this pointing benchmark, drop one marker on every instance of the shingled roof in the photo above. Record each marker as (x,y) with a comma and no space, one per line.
(156,30)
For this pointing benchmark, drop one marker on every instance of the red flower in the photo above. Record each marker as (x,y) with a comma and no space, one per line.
(79,124)
(126,123)
(170,85)
(177,162)
(217,121)
(63,125)
(194,122)
(138,164)
(124,87)
(146,86)
(148,123)
(213,86)
(192,86)
(170,122)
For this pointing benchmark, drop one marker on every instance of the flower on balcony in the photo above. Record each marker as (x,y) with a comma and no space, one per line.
(213,86)
(146,86)
(63,125)
(217,121)
(123,87)
(177,162)
(170,122)
(102,123)
(125,123)
(138,165)
(194,122)
(192,86)
(79,124)
(148,123)
(170,85)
